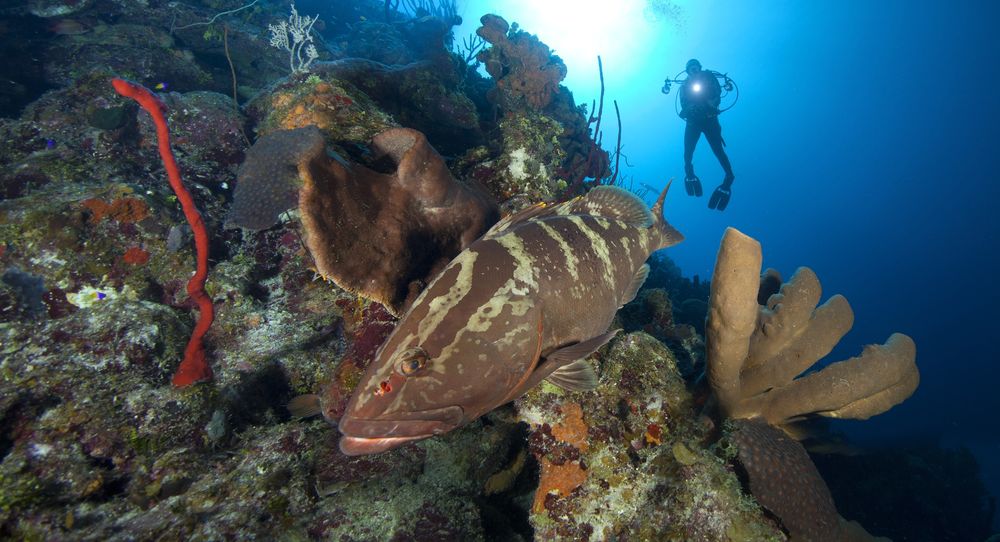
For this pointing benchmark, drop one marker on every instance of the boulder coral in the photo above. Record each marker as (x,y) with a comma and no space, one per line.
(382,235)
(755,352)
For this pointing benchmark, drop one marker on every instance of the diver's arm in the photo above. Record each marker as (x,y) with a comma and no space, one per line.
(685,101)
(715,98)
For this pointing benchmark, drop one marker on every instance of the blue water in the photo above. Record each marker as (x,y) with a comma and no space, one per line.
(865,147)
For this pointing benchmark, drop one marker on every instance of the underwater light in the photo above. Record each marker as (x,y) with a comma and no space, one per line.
(696,87)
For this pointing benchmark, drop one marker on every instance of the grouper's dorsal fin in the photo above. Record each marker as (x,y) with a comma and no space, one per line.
(615,203)
(604,201)
(538,210)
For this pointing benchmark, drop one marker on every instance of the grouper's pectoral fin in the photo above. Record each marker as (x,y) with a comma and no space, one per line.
(565,367)
(577,376)
(637,281)
(568,367)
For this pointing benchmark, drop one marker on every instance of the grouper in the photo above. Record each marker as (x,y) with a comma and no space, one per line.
(528,301)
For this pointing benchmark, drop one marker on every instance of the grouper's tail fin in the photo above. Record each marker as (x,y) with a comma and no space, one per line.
(668,235)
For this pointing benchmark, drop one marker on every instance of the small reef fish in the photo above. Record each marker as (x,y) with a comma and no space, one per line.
(68,27)
(526,302)
(161,86)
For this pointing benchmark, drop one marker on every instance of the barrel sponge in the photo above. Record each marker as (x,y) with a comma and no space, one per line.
(380,233)
(756,352)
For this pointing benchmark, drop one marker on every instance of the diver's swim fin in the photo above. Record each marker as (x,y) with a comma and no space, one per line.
(720,198)
(692,185)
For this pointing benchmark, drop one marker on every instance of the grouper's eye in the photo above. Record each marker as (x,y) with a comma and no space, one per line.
(411,362)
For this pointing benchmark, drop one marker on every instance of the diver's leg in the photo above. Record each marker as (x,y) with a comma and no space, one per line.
(720,198)
(691,135)
(713,133)
(691,183)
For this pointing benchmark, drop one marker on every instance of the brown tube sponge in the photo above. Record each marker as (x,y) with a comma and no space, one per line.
(731,314)
(756,352)
(858,388)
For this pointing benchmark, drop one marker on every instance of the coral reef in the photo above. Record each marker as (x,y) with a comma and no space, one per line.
(755,352)
(422,95)
(96,445)
(345,115)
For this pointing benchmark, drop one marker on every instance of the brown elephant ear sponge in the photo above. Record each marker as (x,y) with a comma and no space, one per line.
(382,235)
(386,235)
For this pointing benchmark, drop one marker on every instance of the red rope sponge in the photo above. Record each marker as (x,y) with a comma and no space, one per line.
(194,367)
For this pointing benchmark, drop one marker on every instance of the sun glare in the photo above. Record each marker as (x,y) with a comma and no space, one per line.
(579,30)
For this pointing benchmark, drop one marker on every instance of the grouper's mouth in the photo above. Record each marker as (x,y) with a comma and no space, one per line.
(369,436)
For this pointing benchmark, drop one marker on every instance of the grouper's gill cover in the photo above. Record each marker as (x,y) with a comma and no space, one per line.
(528,301)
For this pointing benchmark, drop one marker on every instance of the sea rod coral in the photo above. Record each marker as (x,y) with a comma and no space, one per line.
(194,367)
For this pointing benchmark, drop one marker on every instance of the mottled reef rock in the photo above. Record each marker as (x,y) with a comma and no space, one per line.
(629,460)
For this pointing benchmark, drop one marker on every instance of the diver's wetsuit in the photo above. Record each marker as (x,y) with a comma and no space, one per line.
(700,108)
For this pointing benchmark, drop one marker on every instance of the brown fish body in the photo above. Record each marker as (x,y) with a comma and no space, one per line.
(527,301)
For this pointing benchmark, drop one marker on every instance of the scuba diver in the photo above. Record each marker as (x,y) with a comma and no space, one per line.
(700,97)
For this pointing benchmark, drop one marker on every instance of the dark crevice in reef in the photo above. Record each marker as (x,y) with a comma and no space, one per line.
(505,514)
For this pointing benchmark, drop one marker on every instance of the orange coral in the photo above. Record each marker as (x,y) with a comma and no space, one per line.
(524,68)
(136,256)
(654,435)
(122,209)
(572,429)
(561,479)
(557,479)
(324,107)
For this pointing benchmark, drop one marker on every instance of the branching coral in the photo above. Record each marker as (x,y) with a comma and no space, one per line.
(755,352)
(382,235)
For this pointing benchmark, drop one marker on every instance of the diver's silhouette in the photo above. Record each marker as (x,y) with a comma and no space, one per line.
(700,96)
